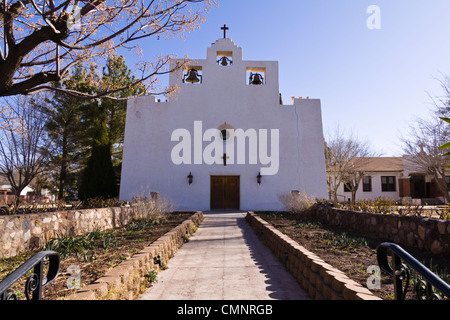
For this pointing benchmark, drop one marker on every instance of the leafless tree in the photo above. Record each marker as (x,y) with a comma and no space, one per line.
(345,157)
(423,148)
(441,104)
(22,149)
(44,39)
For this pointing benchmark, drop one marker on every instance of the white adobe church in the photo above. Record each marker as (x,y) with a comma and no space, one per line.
(225,142)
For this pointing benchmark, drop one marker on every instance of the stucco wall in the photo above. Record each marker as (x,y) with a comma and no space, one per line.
(223,97)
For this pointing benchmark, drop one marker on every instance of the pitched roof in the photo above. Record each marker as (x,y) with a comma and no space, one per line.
(385,164)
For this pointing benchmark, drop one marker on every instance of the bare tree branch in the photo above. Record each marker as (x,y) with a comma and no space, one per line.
(345,158)
(422,148)
(32,29)
(21,141)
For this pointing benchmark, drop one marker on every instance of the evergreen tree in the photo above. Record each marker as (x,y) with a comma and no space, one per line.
(116,74)
(105,121)
(88,134)
(63,130)
(66,133)
(98,179)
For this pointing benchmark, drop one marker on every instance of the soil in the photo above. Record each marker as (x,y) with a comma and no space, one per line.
(353,259)
(96,261)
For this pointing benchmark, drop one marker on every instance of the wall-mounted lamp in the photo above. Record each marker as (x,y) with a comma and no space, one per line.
(259,177)
(190,178)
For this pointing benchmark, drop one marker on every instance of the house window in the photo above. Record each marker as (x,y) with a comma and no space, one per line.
(367,184)
(347,187)
(388,184)
(447,182)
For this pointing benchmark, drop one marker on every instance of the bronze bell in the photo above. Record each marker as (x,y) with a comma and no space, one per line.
(192,76)
(223,61)
(256,79)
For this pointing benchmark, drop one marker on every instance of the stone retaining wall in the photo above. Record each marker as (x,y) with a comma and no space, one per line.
(427,234)
(25,232)
(127,280)
(319,279)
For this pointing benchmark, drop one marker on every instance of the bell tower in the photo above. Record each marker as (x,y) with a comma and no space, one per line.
(226,74)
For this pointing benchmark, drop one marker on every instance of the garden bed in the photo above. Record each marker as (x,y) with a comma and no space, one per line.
(94,253)
(349,252)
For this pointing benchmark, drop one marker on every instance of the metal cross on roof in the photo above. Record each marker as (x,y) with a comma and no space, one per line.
(224,28)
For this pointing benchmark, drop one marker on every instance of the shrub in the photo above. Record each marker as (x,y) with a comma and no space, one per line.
(67,245)
(379,205)
(151,207)
(152,277)
(297,202)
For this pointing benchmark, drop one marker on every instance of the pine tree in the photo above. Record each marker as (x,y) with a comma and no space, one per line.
(88,134)
(65,131)
(105,121)
(63,121)
(98,179)
(116,74)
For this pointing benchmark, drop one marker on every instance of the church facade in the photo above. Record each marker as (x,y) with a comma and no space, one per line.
(225,142)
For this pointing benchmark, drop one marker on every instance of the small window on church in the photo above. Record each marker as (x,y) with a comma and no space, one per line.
(256,76)
(225,134)
(226,131)
(224,58)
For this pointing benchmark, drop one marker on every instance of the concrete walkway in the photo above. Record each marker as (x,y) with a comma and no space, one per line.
(224,260)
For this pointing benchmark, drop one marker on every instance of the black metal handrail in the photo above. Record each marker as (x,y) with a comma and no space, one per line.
(401,272)
(35,281)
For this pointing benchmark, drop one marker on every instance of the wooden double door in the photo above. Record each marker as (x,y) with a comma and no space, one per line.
(225,193)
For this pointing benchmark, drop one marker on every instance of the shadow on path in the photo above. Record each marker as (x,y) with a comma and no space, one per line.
(225,260)
(280,284)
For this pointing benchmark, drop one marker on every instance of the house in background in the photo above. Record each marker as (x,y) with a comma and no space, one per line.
(394,178)
(28,194)
(7,189)
(7,196)
(420,185)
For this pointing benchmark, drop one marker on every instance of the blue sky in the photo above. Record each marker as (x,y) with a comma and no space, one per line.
(370,82)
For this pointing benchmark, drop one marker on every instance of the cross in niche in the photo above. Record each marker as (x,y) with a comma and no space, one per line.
(225,159)
(224,28)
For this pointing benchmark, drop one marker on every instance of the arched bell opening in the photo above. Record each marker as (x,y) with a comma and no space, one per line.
(224,58)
